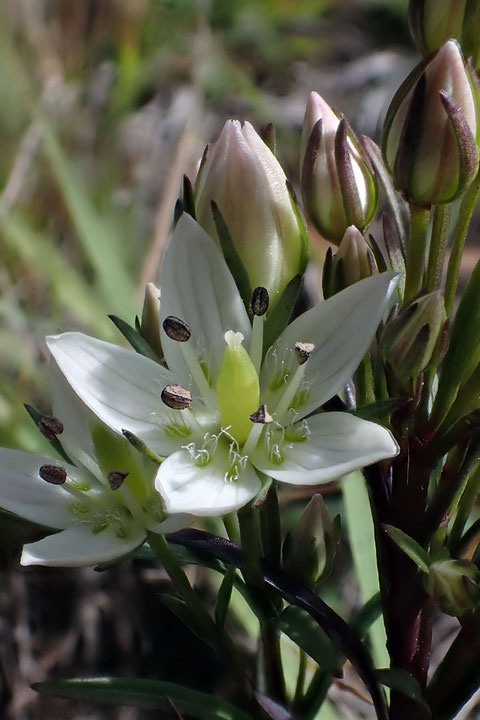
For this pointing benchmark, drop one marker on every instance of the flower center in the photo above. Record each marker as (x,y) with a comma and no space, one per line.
(238,388)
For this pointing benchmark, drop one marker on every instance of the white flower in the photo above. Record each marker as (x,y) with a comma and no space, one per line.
(213,453)
(101,515)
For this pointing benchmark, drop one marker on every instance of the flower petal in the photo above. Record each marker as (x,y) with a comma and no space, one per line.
(123,389)
(23,492)
(73,414)
(204,490)
(197,287)
(79,547)
(341,328)
(337,444)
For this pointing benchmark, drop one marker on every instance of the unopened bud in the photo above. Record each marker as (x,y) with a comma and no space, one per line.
(176,329)
(53,474)
(431,129)
(260,301)
(338,185)
(411,337)
(303,352)
(50,427)
(176,397)
(150,322)
(247,184)
(115,478)
(433,22)
(454,584)
(352,262)
(309,549)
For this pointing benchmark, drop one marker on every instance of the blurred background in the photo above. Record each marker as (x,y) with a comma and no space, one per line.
(104,105)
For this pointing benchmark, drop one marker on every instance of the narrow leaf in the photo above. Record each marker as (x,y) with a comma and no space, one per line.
(281,313)
(54,442)
(180,608)
(305,632)
(140,693)
(409,546)
(223,597)
(138,343)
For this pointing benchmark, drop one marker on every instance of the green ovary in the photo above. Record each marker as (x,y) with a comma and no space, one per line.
(238,388)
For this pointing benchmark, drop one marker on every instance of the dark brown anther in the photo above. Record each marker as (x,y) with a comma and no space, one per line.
(303,352)
(176,397)
(53,474)
(262,416)
(50,427)
(176,329)
(115,478)
(260,301)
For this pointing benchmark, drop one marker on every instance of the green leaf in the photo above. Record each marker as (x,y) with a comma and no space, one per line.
(306,633)
(281,313)
(138,343)
(362,543)
(223,597)
(401,680)
(409,546)
(364,618)
(232,258)
(140,693)
(378,410)
(180,608)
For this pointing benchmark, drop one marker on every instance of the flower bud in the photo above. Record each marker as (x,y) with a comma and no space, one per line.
(353,262)
(411,337)
(433,22)
(150,322)
(309,549)
(454,584)
(431,129)
(245,180)
(338,185)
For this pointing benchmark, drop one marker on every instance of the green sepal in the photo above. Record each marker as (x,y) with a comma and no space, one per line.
(409,546)
(302,226)
(278,319)
(140,693)
(223,597)
(305,632)
(138,343)
(395,255)
(54,442)
(232,258)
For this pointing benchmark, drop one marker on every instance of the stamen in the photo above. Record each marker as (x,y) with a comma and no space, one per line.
(50,427)
(176,397)
(176,329)
(303,352)
(260,418)
(53,474)
(115,478)
(207,393)
(260,301)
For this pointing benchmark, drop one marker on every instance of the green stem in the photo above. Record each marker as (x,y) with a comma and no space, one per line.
(438,246)
(270,525)
(302,669)
(461,228)
(230,522)
(250,539)
(315,695)
(364,382)
(419,219)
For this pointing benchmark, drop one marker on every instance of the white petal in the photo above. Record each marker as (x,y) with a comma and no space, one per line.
(121,387)
(203,490)
(338,444)
(197,287)
(23,492)
(73,413)
(79,547)
(341,328)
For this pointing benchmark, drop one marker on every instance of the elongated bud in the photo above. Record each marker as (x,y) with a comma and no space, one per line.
(309,549)
(454,584)
(338,185)
(238,389)
(353,262)
(150,322)
(411,338)
(245,180)
(431,129)
(433,22)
